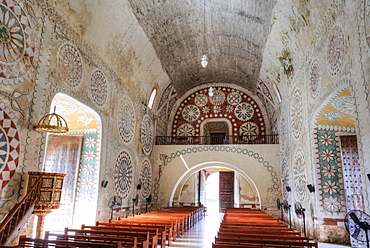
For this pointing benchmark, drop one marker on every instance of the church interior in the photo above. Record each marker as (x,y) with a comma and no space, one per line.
(132,106)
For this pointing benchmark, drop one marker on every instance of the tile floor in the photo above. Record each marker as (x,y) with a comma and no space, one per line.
(202,234)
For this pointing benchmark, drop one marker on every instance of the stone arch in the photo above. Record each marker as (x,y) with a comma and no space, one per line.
(250,163)
(191,109)
(211,164)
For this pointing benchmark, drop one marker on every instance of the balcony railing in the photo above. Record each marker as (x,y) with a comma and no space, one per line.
(217,140)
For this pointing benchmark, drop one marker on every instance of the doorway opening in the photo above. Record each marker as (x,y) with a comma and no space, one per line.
(217,132)
(76,154)
(217,188)
(212,200)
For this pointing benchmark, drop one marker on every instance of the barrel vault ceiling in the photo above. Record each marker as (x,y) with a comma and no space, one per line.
(231,33)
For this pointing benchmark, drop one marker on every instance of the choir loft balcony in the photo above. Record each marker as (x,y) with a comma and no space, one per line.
(218,140)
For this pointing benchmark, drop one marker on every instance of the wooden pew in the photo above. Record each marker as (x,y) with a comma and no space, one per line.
(284,245)
(172,225)
(43,243)
(264,242)
(176,220)
(281,232)
(254,228)
(152,233)
(142,238)
(159,230)
(245,236)
(177,223)
(129,242)
(254,225)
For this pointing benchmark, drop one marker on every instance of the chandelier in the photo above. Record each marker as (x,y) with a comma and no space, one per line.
(204,59)
(52,123)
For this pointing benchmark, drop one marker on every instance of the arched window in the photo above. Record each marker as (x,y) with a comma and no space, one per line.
(152,97)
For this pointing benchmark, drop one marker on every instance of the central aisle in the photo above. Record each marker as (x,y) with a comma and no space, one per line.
(202,234)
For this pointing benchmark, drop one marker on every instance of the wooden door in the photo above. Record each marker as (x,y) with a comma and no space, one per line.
(63,156)
(226,190)
(352,177)
(352,173)
(217,138)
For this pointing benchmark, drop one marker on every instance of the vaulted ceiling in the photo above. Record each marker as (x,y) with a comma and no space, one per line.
(232,33)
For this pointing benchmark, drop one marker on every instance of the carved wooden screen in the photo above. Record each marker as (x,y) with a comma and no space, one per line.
(226,190)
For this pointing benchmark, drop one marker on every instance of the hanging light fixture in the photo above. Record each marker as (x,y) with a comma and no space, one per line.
(204,59)
(52,123)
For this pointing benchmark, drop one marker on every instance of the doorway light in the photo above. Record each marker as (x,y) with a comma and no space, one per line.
(210,91)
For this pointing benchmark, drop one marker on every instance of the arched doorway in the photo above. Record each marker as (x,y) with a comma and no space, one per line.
(338,169)
(217,131)
(205,187)
(76,154)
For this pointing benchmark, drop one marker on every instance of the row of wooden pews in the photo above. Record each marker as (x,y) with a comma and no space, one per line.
(172,222)
(149,230)
(254,228)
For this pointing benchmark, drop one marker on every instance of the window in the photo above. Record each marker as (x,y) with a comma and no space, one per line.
(151,99)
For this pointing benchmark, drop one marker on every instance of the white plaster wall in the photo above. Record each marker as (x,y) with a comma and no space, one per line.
(247,192)
(189,190)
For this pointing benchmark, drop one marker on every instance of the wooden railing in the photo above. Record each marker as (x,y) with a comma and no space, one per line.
(19,211)
(217,140)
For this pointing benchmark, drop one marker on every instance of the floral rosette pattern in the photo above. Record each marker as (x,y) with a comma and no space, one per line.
(329,171)
(296,114)
(186,130)
(191,113)
(123,174)
(244,111)
(283,137)
(16,46)
(70,65)
(315,78)
(299,174)
(228,104)
(146,178)
(126,120)
(147,134)
(336,49)
(250,130)
(99,87)
(201,100)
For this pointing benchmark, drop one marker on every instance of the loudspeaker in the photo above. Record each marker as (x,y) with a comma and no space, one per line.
(104,183)
(311,188)
(288,188)
(139,186)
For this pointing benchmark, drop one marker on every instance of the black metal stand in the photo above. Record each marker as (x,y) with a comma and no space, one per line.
(133,207)
(304,224)
(281,210)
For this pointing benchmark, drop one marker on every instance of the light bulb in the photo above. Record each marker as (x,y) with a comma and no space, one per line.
(204,61)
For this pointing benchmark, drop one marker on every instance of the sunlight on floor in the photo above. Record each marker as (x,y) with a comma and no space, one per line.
(202,234)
